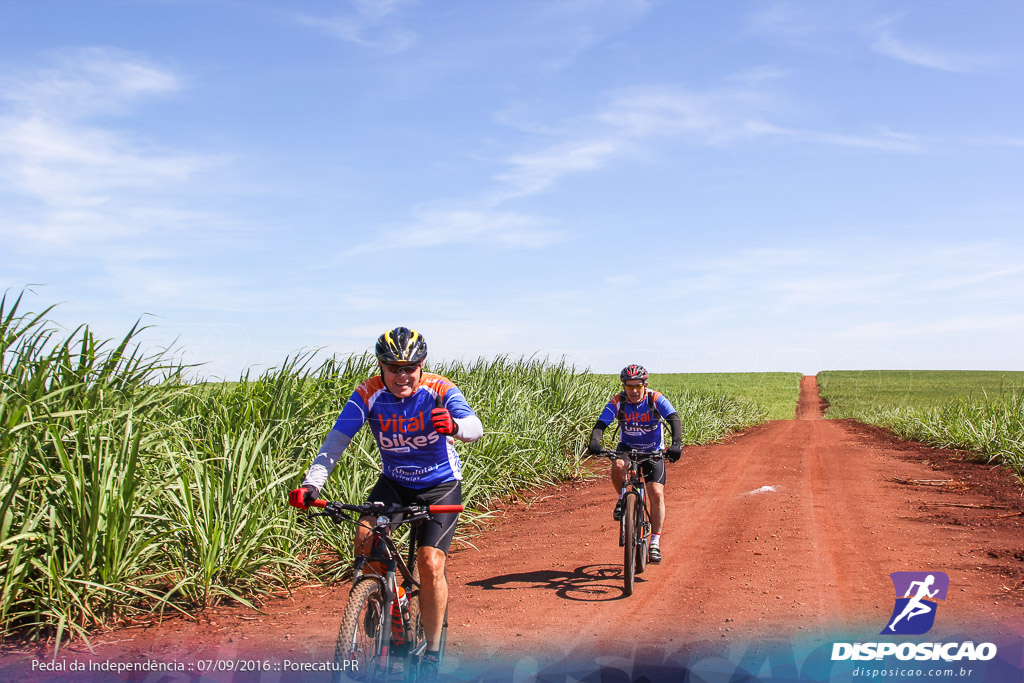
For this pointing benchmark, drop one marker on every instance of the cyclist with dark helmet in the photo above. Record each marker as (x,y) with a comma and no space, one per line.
(415,417)
(639,411)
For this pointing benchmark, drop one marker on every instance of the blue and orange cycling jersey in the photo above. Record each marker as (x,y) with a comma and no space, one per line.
(639,429)
(411,452)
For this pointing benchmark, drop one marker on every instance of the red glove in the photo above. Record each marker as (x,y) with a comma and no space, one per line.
(443,421)
(303,497)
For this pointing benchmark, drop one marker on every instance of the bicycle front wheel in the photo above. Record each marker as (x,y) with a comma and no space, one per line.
(361,652)
(642,541)
(629,546)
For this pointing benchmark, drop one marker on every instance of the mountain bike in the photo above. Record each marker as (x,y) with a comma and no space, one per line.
(381,625)
(635,524)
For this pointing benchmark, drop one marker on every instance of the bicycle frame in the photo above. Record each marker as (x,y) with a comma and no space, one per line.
(384,551)
(634,482)
(634,525)
(382,565)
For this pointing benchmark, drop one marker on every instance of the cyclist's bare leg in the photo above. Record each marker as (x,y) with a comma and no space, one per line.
(364,541)
(656,499)
(433,593)
(362,534)
(620,468)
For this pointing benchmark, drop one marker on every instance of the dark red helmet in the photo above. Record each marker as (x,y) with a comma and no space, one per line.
(633,372)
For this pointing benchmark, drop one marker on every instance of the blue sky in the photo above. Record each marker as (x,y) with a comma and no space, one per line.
(694,186)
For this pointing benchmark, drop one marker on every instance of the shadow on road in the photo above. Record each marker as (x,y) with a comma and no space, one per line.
(589,583)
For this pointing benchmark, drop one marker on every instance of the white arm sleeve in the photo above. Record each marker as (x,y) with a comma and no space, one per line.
(470,428)
(324,462)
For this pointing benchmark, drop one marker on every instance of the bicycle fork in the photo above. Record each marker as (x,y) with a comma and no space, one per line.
(627,490)
(390,595)
(643,520)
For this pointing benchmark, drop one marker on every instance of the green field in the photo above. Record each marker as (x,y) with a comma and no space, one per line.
(855,393)
(125,489)
(774,392)
(981,412)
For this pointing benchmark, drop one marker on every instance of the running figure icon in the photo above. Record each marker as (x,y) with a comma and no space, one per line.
(916,606)
(920,594)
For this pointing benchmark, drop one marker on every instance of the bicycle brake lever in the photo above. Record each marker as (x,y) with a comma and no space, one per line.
(335,516)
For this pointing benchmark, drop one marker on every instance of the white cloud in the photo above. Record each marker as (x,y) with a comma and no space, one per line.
(996,141)
(367,25)
(94,80)
(575,26)
(634,119)
(901,327)
(67,164)
(76,180)
(886,140)
(465,227)
(887,44)
(826,26)
(870,279)
(759,74)
(791,21)
(535,172)
(630,123)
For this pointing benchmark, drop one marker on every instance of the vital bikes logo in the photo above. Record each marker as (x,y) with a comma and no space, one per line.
(400,441)
(913,613)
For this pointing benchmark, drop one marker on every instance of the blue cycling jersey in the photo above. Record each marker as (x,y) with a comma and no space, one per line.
(639,429)
(412,453)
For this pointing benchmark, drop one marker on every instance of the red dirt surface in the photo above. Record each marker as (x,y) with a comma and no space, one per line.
(786,532)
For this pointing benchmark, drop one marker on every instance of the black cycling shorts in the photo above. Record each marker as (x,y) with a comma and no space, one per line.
(429,533)
(653,470)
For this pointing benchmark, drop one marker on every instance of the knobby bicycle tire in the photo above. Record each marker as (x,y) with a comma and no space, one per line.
(641,537)
(365,627)
(629,548)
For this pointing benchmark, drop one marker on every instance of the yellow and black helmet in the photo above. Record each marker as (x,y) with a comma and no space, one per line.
(401,345)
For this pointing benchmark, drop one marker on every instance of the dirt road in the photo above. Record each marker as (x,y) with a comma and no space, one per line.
(787,531)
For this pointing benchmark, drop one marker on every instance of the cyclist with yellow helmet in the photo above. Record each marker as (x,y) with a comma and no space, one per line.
(415,417)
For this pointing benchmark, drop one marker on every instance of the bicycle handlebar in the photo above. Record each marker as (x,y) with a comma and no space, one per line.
(381,509)
(443,509)
(637,456)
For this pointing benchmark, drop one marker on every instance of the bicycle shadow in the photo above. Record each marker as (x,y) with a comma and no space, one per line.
(589,583)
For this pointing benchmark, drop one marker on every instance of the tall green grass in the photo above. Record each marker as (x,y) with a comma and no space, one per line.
(981,412)
(77,521)
(758,396)
(126,489)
